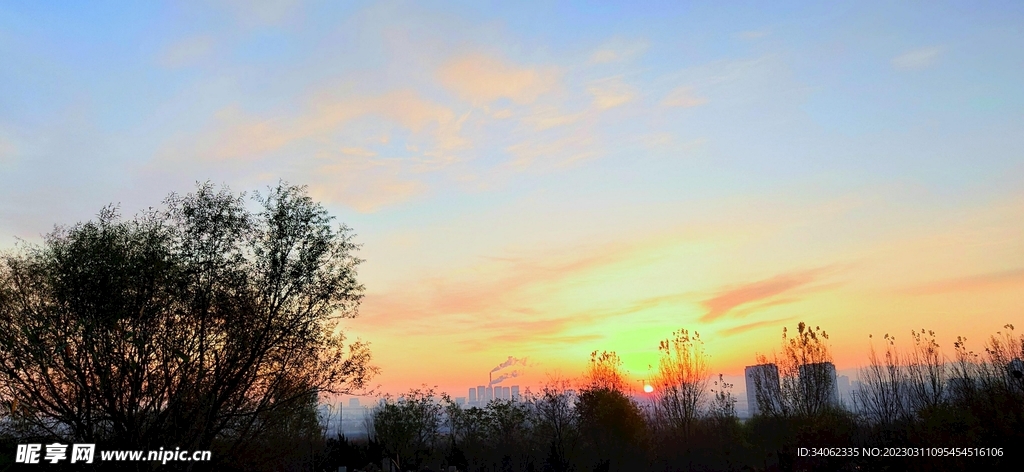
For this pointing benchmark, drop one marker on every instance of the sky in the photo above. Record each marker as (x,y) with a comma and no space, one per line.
(543,180)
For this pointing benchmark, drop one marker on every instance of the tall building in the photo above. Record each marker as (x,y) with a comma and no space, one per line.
(472,395)
(481,392)
(818,382)
(489,394)
(515,392)
(763,379)
(843,386)
(506,393)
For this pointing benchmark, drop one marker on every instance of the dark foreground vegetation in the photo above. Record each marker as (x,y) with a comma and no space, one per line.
(916,398)
(203,325)
(207,326)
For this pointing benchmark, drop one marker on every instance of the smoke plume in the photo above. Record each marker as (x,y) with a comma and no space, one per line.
(511,361)
(505,376)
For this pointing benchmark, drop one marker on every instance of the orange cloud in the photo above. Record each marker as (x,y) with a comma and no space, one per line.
(547,117)
(364,184)
(729,299)
(752,326)
(533,332)
(454,296)
(482,79)
(346,168)
(243,136)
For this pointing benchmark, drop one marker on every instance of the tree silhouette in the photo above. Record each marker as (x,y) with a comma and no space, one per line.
(556,424)
(682,381)
(200,324)
(611,424)
(408,428)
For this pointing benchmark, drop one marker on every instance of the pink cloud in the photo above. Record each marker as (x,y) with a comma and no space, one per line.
(482,79)
(752,326)
(725,301)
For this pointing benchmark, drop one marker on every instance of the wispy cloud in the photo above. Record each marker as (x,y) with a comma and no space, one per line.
(497,293)
(753,326)
(324,144)
(239,135)
(363,184)
(481,79)
(547,116)
(535,332)
(733,297)
(552,154)
(916,59)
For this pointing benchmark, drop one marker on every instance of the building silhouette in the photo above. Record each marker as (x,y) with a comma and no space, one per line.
(762,381)
(818,383)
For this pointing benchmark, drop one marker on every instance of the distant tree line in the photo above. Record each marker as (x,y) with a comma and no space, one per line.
(914,398)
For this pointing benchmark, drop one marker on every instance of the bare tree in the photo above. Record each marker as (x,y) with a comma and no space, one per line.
(1004,352)
(800,381)
(605,372)
(723,403)
(926,372)
(556,424)
(883,392)
(682,381)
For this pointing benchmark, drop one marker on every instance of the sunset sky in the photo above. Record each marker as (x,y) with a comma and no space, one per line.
(542,180)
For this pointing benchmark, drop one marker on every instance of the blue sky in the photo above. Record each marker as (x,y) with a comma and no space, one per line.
(551,176)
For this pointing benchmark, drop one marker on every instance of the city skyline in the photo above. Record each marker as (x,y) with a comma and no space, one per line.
(541,182)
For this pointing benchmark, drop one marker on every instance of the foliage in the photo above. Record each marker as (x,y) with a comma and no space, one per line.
(613,430)
(408,428)
(198,324)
